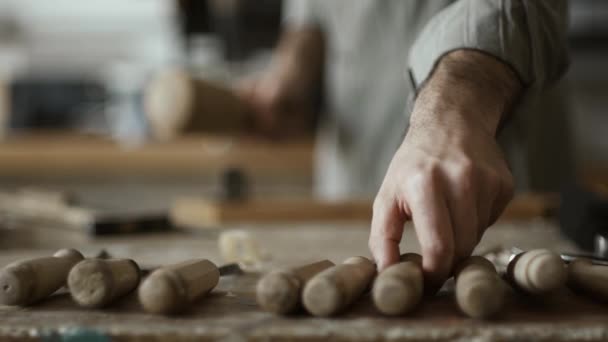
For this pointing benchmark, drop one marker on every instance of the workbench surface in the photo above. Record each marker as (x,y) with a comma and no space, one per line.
(230,312)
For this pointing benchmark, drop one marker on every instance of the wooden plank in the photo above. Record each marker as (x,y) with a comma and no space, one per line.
(86,156)
(201,213)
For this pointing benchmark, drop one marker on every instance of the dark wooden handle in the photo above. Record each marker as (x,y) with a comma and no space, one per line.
(28,281)
(591,279)
(334,289)
(279,291)
(173,288)
(95,283)
(480,292)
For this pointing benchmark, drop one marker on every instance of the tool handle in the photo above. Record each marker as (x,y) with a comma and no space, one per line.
(334,289)
(172,288)
(176,103)
(589,278)
(95,283)
(28,281)
(279,291)
(480,292)
(538,271)
(399,288)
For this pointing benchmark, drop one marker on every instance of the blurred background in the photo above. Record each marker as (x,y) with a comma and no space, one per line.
(78,79)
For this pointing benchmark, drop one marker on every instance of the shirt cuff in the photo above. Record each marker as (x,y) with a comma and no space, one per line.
(529,36)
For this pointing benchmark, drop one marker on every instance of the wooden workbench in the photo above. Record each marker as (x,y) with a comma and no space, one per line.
(230,313)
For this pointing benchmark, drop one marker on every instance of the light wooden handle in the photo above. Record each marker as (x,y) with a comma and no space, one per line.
(480,292)
(176,103)
(588,278)
(538,271)
(334,289)
(25,282)
(95,283)
(173,288)
(279,291)
(399,288)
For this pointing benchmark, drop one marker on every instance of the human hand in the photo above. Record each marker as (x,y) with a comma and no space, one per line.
(449,176)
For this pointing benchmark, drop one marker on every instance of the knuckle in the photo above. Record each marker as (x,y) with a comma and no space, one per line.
(424,180)
(493,178)
(466,169)
(438,253)
(380,202)
(508,184)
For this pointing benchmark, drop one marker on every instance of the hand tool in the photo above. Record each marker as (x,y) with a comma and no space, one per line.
(399,288)
(95,283)
(279,291)
(587,277)
(334,289)
(28,281)
(586,272)
(538,271)
(171,289)
(480,292)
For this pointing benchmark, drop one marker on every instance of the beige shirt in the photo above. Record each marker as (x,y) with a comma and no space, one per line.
(380,52)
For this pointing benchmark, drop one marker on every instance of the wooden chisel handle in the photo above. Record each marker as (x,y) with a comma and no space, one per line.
(28,281)
(95,283)
(172,289)
(480,292)
(334,289)
(279,291)
(588,278)
(538,271)
(399,288)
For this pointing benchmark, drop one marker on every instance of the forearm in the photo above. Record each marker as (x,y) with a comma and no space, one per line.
(468,87)
(300,57)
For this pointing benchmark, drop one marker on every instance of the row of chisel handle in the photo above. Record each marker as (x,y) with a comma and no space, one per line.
(96,283)
(322,288)
(325,289)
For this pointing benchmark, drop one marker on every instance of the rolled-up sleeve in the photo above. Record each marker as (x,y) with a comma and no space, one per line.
(528,35)
(301,13)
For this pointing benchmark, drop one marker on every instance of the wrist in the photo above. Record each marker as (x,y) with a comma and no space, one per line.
(468,89)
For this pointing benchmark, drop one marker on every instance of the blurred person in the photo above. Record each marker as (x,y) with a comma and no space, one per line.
(471,68)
